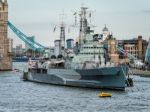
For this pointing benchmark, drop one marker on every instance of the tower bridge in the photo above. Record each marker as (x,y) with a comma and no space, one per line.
(6,43)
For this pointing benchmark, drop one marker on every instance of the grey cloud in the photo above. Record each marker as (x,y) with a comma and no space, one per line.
(146,11)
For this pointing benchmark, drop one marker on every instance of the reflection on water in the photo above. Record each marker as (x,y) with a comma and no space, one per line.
(19,96)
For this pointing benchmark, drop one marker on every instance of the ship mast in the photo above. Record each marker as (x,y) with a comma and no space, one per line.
(83,25)
(62,34)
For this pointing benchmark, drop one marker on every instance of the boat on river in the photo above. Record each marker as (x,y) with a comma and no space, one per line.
(89,67)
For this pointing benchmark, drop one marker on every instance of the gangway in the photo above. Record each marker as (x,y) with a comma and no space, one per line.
(32,44)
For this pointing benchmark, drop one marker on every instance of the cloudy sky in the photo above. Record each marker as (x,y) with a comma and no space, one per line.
(125,18)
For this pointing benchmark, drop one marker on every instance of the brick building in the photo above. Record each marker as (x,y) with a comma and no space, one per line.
(136,47)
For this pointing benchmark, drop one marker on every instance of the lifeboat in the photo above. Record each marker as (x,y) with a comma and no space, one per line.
(104,94)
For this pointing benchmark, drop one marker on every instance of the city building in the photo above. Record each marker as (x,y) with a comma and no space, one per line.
(105,33)
(32,39)
(18,51)
(5,42)
(137,47)
(112,50)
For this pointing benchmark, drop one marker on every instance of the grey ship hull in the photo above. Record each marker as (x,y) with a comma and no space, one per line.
(110,78)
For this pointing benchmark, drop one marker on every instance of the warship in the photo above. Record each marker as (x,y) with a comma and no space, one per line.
(88,66)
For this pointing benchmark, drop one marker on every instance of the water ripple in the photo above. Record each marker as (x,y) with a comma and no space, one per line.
(19,96)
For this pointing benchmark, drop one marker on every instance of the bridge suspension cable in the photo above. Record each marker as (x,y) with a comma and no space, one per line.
(32,44)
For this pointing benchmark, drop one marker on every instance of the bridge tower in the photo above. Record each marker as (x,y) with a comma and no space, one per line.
(5,42)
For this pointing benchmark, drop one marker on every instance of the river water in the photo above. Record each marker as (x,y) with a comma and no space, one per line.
(20,96)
